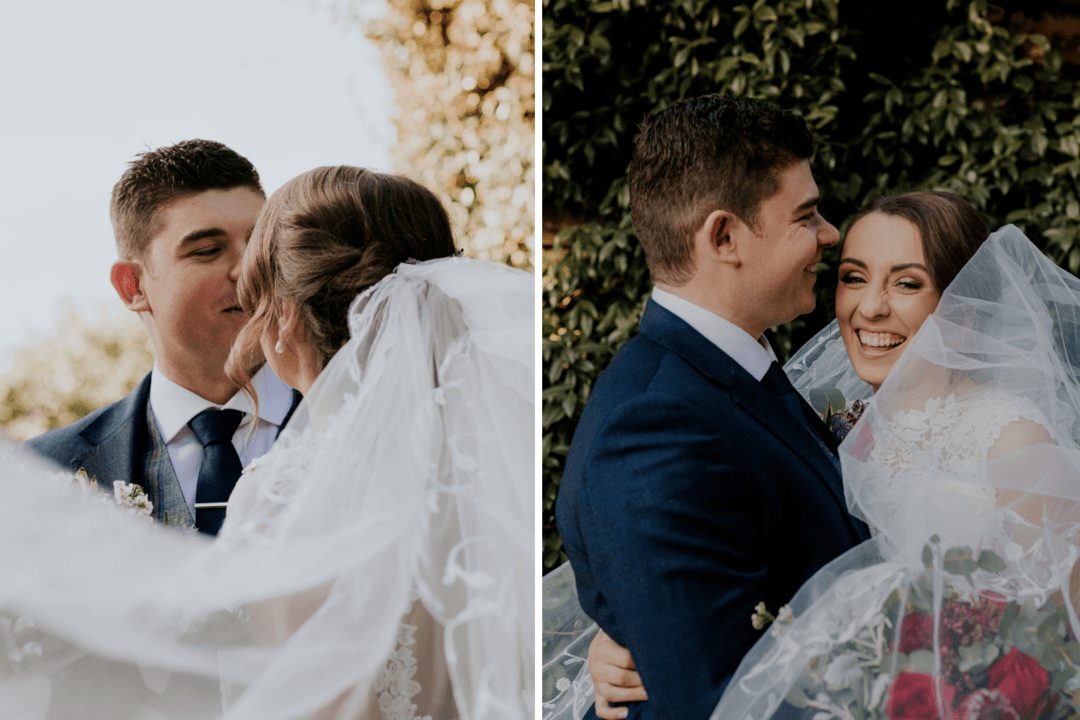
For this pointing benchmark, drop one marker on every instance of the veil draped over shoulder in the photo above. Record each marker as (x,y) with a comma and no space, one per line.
(967,468)
(378,562)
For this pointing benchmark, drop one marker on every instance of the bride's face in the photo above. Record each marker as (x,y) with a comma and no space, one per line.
(884,293)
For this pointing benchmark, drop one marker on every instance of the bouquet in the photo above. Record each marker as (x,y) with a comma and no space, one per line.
(940,648)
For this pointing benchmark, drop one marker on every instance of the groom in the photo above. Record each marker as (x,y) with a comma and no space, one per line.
(182,216)
(698,483)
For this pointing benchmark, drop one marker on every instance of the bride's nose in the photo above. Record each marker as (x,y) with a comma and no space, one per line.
(874,304)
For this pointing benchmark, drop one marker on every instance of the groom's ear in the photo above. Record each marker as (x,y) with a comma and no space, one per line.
(716,237)
(125,276)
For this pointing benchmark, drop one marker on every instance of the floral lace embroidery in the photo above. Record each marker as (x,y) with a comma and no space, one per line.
(395,684)
(937,454)
(17,643)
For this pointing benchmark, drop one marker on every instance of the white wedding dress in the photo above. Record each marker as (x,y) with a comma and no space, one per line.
(376,563)
(967,469)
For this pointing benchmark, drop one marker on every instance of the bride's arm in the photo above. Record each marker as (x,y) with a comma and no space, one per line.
(615,678)
(1040,504)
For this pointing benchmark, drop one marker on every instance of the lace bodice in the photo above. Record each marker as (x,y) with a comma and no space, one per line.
(955,432)
(930,470)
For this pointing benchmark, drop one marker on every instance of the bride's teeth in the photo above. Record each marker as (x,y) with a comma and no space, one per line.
(880,339)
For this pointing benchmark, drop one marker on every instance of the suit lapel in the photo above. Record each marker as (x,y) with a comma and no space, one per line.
(664,327)
(758,402)
(115,440)
(124,444)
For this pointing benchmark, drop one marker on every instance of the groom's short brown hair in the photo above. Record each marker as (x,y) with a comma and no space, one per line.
(157,177)
(707,153)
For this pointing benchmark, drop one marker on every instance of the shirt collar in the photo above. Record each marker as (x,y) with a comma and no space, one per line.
(752,355)
(174,406)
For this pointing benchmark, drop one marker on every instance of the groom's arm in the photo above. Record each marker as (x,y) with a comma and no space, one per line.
(673,540)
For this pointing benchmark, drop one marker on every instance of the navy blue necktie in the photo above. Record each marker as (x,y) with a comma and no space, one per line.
(220,466)
(778,384)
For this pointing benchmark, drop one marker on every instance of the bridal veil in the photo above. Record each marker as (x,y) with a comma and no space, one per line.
(967,467)
(380,555)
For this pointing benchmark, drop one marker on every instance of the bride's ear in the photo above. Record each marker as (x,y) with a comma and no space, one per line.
(291,329)
(715,238)
(126,280)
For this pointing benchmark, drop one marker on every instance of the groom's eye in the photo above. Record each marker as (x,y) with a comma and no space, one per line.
(207,251)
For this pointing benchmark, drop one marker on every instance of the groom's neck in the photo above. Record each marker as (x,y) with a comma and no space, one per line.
(215,387)
(707,297)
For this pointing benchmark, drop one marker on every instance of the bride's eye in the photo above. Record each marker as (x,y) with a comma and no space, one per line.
(910,284)
(852,279)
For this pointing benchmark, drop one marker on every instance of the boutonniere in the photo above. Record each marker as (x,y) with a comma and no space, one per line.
(834,410)
(762,618)
(127,495)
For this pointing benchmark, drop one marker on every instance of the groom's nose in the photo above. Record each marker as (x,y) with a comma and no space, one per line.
(828,235)
(237,262)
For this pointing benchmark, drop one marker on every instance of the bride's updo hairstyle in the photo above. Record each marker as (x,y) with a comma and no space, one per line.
(949,227)
(322,239)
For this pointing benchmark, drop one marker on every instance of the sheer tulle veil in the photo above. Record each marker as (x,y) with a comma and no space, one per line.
(994,531)
(405,480)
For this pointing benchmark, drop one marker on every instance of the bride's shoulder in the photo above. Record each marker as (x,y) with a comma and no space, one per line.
(1004,420)
(996,406)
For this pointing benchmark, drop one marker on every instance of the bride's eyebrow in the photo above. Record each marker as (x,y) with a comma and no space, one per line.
(853,261)
(907,266)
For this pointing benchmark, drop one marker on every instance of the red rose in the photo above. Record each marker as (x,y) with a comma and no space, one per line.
(916,633)
(1023,680)
(912,697)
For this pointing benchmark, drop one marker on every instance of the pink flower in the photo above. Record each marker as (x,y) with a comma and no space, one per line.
(987,704)
(1023,681)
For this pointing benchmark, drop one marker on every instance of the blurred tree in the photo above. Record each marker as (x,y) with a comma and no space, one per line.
(88,361)
(900,96)
(463,71)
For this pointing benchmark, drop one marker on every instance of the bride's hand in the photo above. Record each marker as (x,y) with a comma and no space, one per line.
(615,678)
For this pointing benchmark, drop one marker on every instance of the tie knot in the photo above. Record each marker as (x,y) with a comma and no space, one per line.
(777,381)
(215,426)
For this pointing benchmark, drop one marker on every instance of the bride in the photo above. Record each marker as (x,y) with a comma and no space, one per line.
(964,464)
(375,564)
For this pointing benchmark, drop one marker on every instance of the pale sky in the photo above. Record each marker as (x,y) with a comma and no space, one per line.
(85,86)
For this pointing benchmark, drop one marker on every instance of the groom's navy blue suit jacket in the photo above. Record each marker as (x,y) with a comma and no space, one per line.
(121,442)
(690,495)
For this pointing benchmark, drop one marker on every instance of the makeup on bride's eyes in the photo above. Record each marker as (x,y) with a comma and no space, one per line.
(906,283)
(852,279)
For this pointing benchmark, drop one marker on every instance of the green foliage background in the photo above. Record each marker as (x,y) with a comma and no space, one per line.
(900,97)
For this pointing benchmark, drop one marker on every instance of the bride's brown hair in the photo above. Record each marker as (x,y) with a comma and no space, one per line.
(321,239)
(949,227)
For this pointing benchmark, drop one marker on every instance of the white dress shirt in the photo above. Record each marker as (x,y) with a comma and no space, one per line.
(174,406)
(754,355)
